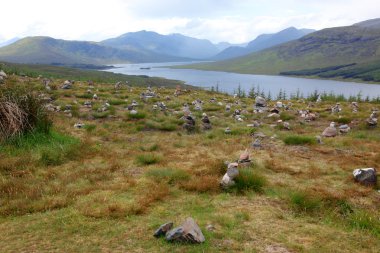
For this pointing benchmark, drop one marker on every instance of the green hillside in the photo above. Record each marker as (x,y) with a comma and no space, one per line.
(357,44)
(54,72)
(46,50)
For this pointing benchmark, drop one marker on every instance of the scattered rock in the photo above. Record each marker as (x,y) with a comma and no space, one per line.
(336,108)
(133,112)
(206,124)
(344,129)
(231,174)
(227,130)
(260,102)
(189,124)
(367,176)
(67,85)
(330,131)
(163,229)
(244,158)
(319,139)
(256,144)
(3,74)
(210,228)
(188,232)
(79,125)
(286,125)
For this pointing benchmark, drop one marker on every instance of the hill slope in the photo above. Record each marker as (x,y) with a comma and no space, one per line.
(262,42)
(359,43)
(46,50)
(173,44)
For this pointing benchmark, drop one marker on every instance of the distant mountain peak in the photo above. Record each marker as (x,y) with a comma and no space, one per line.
(264,41)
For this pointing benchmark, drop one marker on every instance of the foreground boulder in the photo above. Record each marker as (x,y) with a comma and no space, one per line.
(188,232)
(366,176)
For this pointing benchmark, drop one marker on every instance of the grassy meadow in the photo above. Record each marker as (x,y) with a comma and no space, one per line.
(107,186)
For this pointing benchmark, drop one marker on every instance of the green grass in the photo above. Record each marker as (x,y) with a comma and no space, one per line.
(168,175)
(303,202)
(148,159)
(249,180)
(299,140)
(139,115)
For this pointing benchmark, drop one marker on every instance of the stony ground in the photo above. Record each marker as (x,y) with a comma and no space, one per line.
(107,186)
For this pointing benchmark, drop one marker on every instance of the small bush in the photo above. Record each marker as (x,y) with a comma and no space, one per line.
(248,180)
(299,140)
(169,175)
(148,159)
(303,202)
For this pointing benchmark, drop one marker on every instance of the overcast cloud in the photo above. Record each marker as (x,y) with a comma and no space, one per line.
(235,21)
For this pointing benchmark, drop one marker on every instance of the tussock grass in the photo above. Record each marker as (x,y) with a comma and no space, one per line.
(249,180)
(139,115)
(148,159)
(170,176)
(299,140)
(21,111)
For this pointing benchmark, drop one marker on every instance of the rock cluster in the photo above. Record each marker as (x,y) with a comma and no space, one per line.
(188,232)
(244,159)
(372,120)
(206,124)
(189,124)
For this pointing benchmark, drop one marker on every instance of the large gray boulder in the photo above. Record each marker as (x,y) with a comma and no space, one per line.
(260,102)
(188,232)
(365,176)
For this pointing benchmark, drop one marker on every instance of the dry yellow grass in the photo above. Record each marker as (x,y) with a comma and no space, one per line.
(100,199)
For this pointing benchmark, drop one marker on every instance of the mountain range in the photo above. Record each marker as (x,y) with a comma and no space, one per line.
(133,47)
(344,52)
(262,42)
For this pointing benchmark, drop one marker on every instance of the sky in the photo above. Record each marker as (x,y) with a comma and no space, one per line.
(235,21)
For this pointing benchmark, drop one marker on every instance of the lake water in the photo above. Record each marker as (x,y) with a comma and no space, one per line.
(229,82)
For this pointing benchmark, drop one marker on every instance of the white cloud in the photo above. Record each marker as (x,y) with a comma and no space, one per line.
(218,20)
